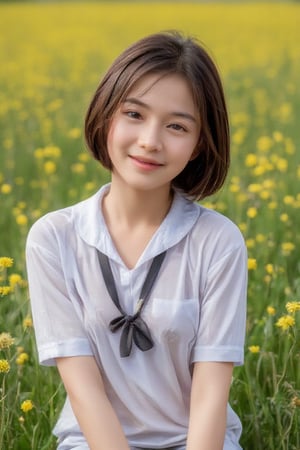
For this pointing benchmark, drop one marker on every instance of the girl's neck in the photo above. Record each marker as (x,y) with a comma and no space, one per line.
(132,217)
(132,208)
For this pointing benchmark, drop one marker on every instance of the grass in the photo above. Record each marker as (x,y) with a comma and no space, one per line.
(53,57)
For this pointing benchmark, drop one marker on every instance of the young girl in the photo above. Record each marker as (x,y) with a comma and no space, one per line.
(138,293)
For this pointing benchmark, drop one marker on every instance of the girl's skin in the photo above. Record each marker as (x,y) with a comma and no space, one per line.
(152,137)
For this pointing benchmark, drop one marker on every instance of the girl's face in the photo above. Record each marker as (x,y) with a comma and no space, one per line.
(154,133)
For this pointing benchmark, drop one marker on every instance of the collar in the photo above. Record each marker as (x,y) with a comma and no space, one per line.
(91,227)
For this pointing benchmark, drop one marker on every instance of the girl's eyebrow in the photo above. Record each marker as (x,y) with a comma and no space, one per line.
(136,101)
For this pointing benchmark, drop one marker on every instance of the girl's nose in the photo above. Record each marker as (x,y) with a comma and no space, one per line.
(150,138)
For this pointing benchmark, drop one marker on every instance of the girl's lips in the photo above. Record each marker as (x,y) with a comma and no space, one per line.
(145,162)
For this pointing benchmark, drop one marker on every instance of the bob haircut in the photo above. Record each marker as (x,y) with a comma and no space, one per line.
(168,53)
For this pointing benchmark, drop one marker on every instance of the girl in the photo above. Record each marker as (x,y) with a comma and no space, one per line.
(138,293)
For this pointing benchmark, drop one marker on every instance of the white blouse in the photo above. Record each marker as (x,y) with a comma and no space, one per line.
(196,312)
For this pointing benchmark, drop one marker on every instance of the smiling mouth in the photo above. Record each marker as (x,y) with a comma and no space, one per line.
(145,161)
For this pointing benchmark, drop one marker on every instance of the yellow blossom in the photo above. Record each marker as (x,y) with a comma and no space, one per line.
(27,322)
(254,187)
(277,136)
(271,310)
(269,268)
(22,358)
(254,348)
(267,279)
(252,212)
(288,199)
(27,405)
(272,205)
(282,165)
(78,168)
(6,340)
(49,167)
(21,219)
(264,143)
(284,217)
(285,322)
(74,133)
(292,307)
(295,401)
(15,280)
(287,247)
(4,366)
(5,290)
(251,160)
(6,188)
(252,264)
(250,243)
(5,261)
(84,157)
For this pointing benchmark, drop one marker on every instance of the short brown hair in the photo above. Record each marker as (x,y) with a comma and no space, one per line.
(168,53)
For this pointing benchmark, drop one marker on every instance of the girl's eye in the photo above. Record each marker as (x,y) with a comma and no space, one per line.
(133,114)
(177,127)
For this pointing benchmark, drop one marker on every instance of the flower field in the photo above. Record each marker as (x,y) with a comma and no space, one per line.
(52,58)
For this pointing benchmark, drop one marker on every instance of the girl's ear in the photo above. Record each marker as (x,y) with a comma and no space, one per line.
(195,152)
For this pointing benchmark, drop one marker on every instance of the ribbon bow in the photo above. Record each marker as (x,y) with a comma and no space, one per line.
(134,330)
(134,327)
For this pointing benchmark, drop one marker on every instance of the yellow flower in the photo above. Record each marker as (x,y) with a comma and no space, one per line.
(251,160)
(22,358)
(78,167)
(6,188)
(21,219)
(252,264)
(252,212)
(4,366)
(74,133)
(52,151)
(15,280)
(287,247)
(292,307)
(254,187)
(250,243)
(285,322)
(264,143)
(49,167)
(282,164)
(254,348)
(271,310)
(6,340)
(284,217)
(27,405)
(269,268)
(295,401)
(27,322)
(5,261)
(288,199)
(277,136)
(5,290)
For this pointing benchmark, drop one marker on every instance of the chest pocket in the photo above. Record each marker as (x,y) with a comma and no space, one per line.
(173,319)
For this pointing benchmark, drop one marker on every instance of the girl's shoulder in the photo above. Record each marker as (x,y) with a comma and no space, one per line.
(59,224)
(215,229)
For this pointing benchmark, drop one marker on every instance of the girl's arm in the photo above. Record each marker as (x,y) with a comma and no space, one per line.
(93,410)
(209,397)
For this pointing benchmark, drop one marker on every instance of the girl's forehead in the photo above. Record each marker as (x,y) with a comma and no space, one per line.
(157,82)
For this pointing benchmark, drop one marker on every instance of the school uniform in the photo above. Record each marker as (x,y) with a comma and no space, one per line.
(196,312)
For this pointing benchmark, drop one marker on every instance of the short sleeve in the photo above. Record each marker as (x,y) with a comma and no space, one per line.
(221,333)
(57,324)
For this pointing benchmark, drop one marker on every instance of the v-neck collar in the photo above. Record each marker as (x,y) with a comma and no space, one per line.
(91,226)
